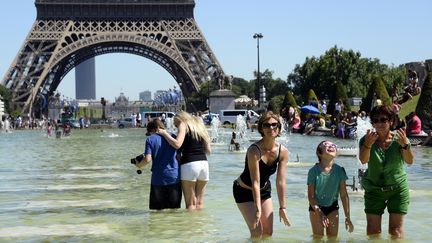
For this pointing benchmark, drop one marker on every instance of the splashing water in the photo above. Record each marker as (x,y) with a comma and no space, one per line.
(169,124)
(363,124)
(214,132)
(241,128)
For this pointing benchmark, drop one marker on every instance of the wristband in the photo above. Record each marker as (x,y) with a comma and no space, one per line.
(282,208)
(407,146)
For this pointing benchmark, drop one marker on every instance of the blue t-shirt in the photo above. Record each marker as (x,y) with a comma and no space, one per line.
(326,185)
(165,168)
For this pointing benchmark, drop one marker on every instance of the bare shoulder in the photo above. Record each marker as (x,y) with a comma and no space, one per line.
(283,148)
(253,150)
(284,152)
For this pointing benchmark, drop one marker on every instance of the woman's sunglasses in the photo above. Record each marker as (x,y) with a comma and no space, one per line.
(380,120)
(273,125)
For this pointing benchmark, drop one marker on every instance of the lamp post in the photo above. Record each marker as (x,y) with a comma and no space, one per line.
(258,36)
(208,78)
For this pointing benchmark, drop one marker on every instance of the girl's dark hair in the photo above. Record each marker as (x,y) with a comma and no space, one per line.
(319,150)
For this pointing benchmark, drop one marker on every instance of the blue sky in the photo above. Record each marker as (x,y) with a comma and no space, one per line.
(393,31)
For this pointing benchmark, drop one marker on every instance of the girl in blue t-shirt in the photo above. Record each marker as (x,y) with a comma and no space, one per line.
(326,180)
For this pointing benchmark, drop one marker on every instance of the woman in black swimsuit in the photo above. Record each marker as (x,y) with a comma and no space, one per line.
(252,190)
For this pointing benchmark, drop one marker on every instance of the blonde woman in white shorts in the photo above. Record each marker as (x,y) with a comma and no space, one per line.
(193,143)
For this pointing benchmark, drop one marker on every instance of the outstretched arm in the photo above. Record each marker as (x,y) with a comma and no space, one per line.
(281,186)
(346,206)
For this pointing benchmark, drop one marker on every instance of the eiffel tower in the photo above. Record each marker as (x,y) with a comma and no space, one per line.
(68,32)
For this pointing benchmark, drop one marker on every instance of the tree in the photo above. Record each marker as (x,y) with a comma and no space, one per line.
(241,86)
(7,99)
(311,96)
(376,90)
(275,104)
(341,94)
(289,100)
(424,105)
(353,71)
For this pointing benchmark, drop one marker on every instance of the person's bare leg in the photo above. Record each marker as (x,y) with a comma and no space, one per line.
(317,228)
(373,225)
(396,225)
(248,211)
(267,217)
(199,194)
(333,228)
(188,188)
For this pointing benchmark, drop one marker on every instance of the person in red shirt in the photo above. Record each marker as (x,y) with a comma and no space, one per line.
(414,125)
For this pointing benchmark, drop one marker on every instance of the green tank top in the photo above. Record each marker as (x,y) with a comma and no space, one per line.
(385,167)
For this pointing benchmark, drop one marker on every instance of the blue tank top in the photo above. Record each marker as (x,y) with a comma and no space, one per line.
(265,170)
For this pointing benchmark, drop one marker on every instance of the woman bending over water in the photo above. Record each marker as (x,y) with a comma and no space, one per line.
(252,190)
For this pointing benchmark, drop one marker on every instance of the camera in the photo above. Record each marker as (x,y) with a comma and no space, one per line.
(136,160)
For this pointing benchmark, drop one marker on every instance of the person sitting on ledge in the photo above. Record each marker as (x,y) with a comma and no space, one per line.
(234,141)
(414,124)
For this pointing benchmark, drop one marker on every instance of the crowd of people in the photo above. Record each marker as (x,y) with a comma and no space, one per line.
(180,166)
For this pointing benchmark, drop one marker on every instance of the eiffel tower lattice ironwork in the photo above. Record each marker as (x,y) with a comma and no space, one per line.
(68,32)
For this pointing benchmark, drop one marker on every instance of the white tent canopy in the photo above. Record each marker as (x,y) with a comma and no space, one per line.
(244,100)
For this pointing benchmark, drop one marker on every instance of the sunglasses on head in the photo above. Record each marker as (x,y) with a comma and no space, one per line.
(329,144)
(380,120)
(271,125)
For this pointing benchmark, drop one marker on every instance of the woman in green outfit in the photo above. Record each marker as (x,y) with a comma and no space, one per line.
(385,181)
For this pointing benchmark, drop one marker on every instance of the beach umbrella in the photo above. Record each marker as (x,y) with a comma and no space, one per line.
(309,109)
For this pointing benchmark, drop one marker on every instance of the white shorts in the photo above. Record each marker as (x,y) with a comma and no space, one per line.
(193,171)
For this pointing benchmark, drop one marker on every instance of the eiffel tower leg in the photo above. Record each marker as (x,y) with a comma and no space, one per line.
(53,48)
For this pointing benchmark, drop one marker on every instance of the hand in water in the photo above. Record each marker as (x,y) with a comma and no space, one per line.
(283,216)
(349,225)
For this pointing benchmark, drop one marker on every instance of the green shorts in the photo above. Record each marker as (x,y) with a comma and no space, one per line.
(395,199)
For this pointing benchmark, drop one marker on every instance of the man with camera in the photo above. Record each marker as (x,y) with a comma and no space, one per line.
(165,191)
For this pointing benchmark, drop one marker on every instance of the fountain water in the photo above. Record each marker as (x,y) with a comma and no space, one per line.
(363,124)
(169,123)
(241,128)
(214,132)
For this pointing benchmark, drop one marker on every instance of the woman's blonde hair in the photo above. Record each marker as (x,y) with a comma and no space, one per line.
(193,125)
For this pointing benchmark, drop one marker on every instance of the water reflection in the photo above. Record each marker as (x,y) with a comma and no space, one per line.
(84,189)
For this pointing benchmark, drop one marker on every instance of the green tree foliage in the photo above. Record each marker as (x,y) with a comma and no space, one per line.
(7,99)
(376,89)
(241,86)
(199,99)
(424,105)
(341,94)
(275,104)
(274,87)
(348,67)
(289,100)
(311,96)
